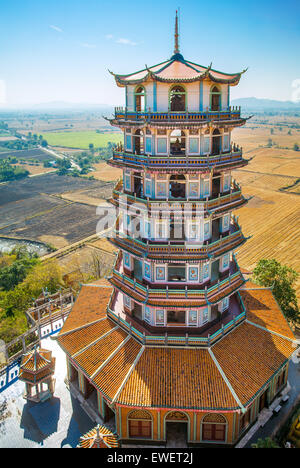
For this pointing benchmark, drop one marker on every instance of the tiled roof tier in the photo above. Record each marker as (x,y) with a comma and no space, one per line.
(177,70)
(89,307)
(225,376)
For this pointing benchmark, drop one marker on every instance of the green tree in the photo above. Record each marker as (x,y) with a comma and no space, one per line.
(296,147)
(265,443)
(12,275)
(269,273)
(63,165)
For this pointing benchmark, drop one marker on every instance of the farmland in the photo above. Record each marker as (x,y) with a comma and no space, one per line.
(81,140)
(272,180)
(34,209)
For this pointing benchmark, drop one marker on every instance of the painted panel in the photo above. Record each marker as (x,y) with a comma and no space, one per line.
(147,314)
(225,223)
(225,142)
(128,142)
(160,273)
(126,258)
(193,318)
(194,145)
(160,317)
(194,189)
(162,145)
(226,183)
(161,189)
(205,272)
(193,274)
(147,270)
(206,145)
(148,145)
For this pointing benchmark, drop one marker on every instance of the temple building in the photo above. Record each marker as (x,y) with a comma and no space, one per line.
(177,339)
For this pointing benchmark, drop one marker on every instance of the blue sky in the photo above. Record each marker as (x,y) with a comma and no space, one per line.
(60,50)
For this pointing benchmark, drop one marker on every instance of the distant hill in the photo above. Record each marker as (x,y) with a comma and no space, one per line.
(253,103)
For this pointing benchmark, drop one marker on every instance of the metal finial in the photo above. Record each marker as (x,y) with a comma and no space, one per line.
(176,50)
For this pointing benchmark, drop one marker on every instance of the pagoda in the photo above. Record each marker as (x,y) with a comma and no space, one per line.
(177,344)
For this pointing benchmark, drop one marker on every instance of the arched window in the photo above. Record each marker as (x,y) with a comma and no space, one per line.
(140,99)
(214,427)
(216,142)
(215,99)
(138,139)
(140,424)
(177,99)
(177,142)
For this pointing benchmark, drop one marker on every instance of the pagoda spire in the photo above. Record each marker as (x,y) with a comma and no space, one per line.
(176,49)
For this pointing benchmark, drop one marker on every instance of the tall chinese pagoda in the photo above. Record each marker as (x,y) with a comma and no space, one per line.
(177,341)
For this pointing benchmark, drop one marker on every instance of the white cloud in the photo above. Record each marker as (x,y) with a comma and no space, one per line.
(56,28)
(109,37)
(126,41)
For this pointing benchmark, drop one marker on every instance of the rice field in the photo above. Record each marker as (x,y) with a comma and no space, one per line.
(81,140)
(272,216)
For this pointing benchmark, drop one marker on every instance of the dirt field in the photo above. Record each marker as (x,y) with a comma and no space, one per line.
(33,209)
(37,154)
(107,173)
(272,177)
(35,169)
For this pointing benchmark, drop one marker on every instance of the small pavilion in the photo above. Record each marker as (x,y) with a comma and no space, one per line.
(98,437)
(36,370)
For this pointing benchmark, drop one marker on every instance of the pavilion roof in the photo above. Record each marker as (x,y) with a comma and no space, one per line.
(99,437)
(177,70)
(36,360)
(226,376)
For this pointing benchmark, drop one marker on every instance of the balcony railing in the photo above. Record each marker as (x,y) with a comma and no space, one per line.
(121,280)
(185,248)
(209,203)
(230,113)
(181,340)
(169,161)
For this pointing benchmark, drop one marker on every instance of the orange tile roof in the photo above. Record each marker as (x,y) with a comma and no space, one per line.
(249,357)
(172,377)
(176,378)
(89,307)
(111,376)
(35,360)
(263,310)
(99,437)
(76,340)
(90,359)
